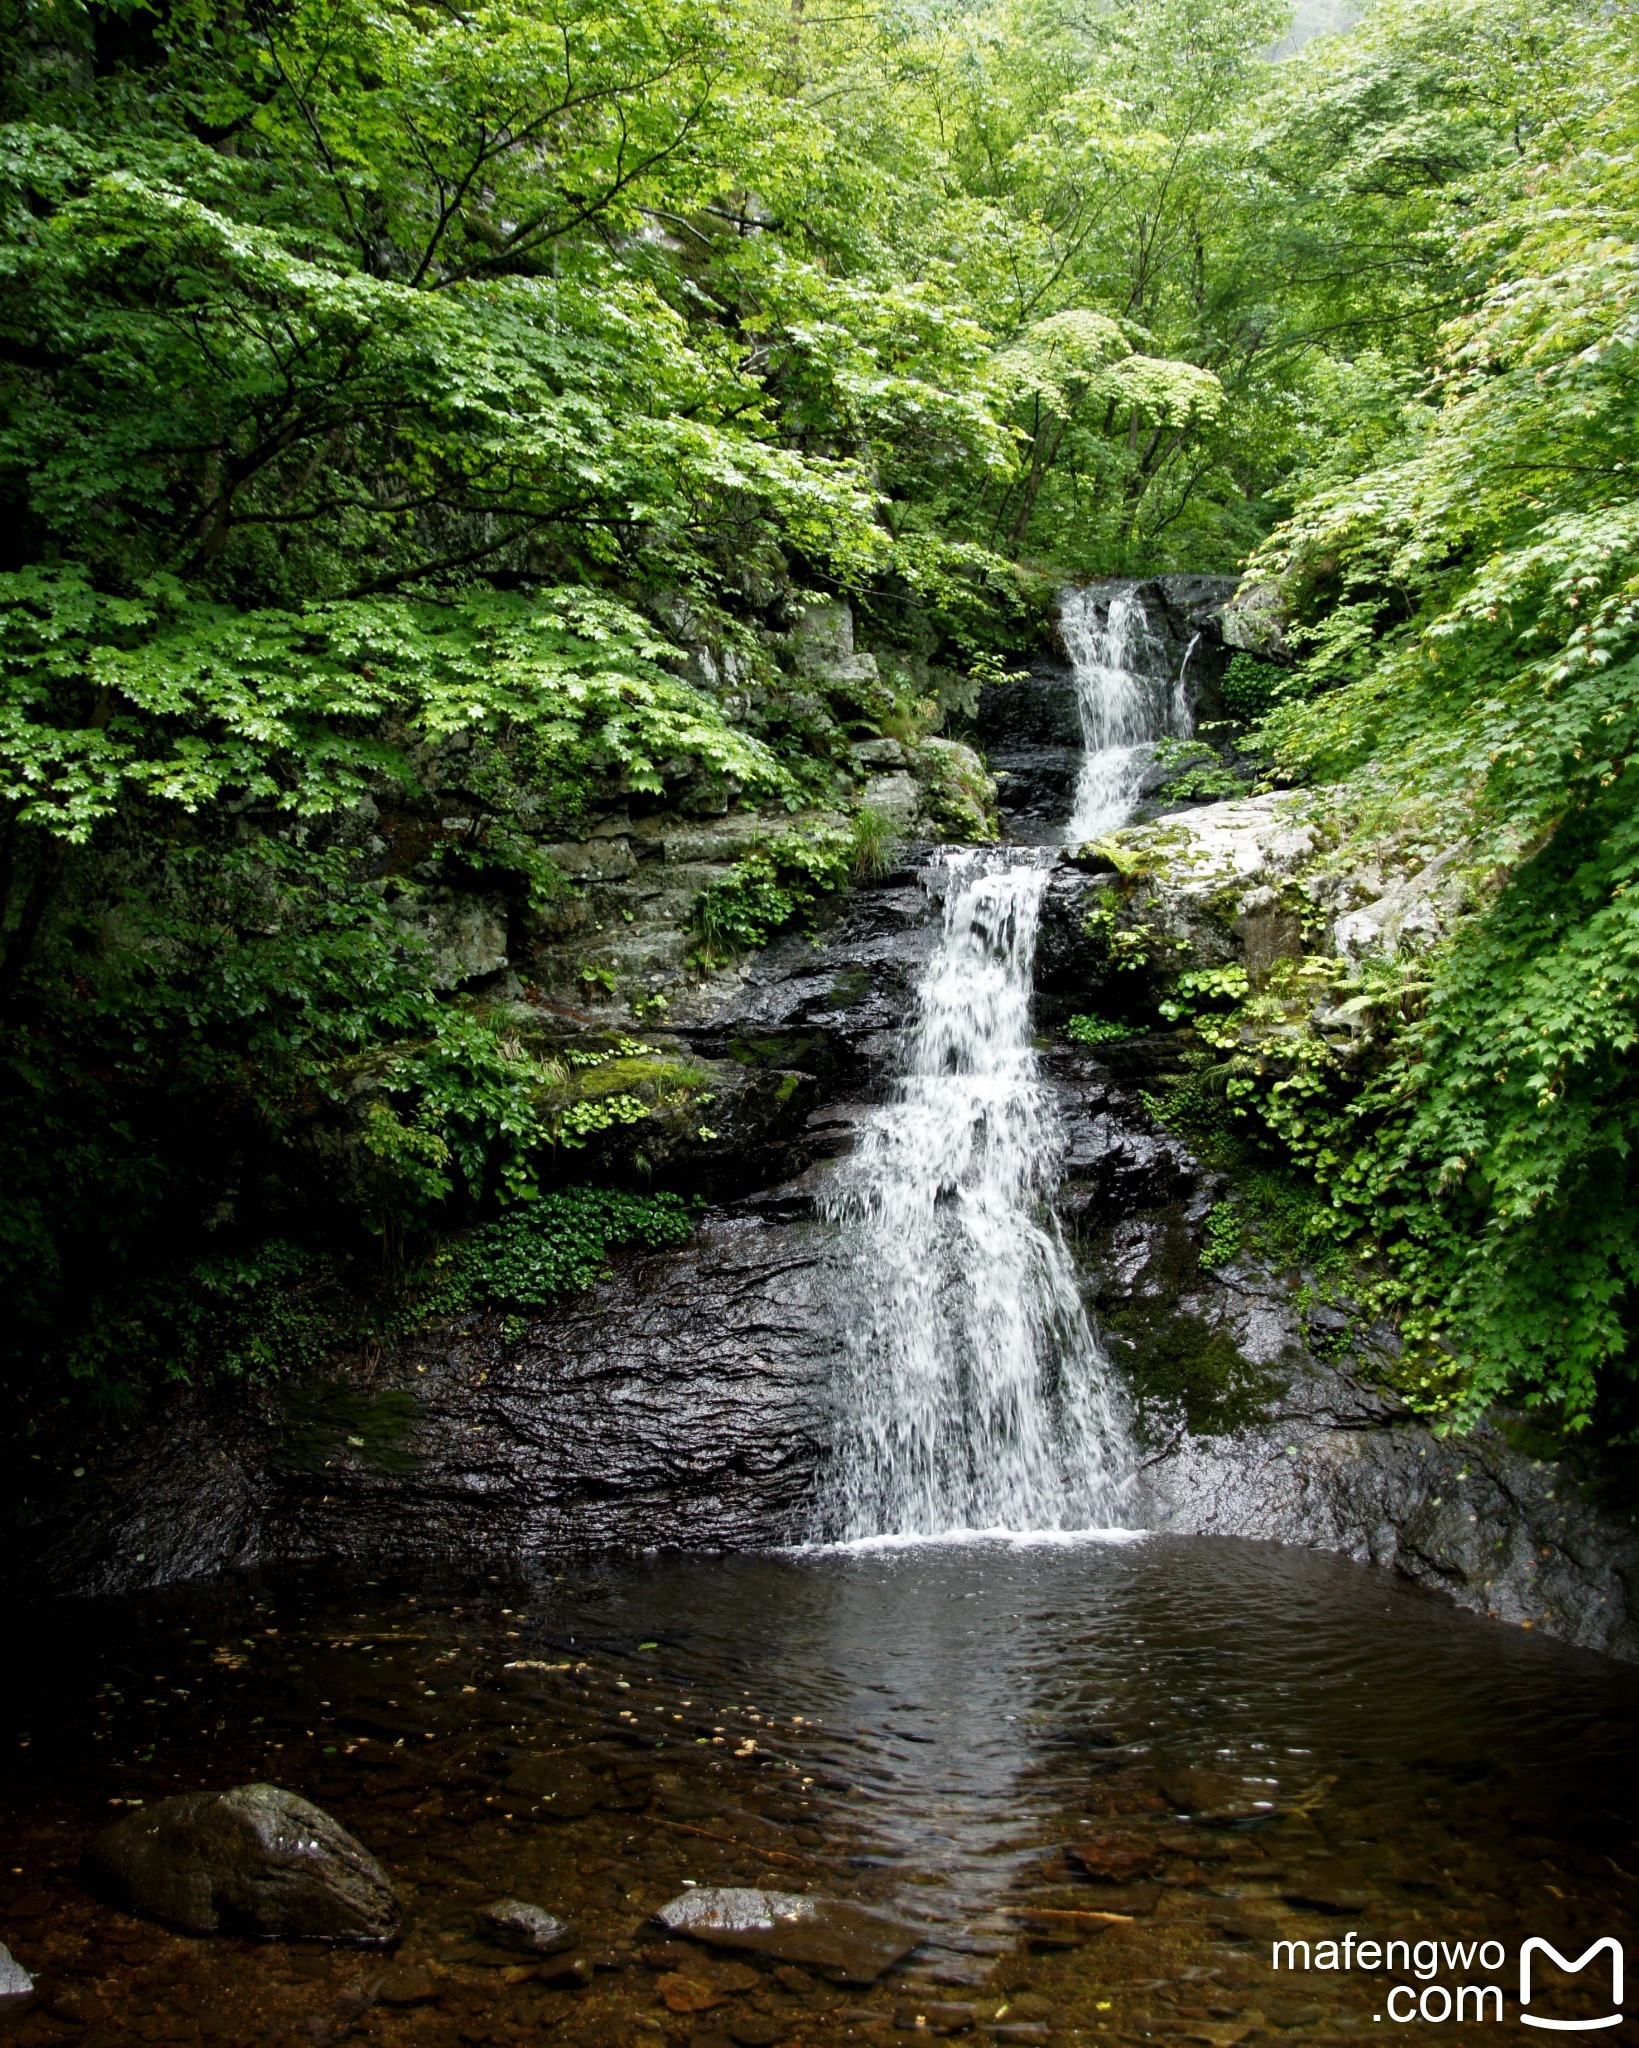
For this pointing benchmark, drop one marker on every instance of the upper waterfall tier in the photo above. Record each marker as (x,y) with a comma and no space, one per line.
(1133,662)
(1127,697)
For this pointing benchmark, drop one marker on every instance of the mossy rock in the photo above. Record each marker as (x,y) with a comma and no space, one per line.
(329,1419)
(1183,1370)
(783,1050)
(650,1077)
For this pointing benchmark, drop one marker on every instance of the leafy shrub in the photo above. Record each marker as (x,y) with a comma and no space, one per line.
(1204,782)
(1205,988)
(1222,1237)
(1195,773)
(1087,1030)
(559,1244)
(1252,688)
(874,839)
(770,888)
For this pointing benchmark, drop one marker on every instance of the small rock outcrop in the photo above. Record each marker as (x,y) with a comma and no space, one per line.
(854,1944)
(257,1860)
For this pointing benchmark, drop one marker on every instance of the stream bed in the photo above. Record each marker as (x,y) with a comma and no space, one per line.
(1100,1777)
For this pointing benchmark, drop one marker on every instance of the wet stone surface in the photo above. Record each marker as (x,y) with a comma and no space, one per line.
(1096,1782)
(531,1930)
(256,1859)
(15,1982)
(849,1943)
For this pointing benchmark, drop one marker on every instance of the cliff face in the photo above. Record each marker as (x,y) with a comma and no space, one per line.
(685,1400)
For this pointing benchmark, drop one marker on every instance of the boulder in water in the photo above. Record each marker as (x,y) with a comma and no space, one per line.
(853,1943)
(15,1982)
(256,1860)
(531,1930)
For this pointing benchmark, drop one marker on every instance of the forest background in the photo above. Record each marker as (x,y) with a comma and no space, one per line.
(380,385)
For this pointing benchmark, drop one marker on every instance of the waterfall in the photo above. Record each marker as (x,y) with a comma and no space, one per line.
(974,1394)
(1127,702)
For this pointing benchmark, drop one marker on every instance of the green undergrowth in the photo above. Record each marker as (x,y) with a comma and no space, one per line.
(1196,774)
(1278,1216)
(781,882)
(555,1246)
(1083,1029)
(287,1311)
(1251,688)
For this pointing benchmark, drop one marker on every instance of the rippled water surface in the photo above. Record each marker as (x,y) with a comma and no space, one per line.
(1103,1778)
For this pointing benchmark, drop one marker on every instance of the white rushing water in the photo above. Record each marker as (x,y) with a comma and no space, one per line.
(976,1396)
(1126,699)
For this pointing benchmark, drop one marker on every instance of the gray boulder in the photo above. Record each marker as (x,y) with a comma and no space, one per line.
(15,1982)
(531,1930)
(256,1860)
(854,1944)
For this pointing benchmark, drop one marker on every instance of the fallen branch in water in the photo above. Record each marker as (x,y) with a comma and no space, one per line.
(1068,1913)
(746,1848)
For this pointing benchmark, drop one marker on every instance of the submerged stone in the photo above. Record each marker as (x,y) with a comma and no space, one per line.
(530,1930)
(567,1973)
(1213,1796)
(757,2029)
(407,1984)
(1111,1860)
(937,2016)
(256,1860)
(854,1943)
(681,1993)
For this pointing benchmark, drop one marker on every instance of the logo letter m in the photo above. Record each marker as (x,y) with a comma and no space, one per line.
(1547,1948)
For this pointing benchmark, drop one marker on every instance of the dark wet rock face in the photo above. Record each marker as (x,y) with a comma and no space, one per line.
(256,1860)
(853,1944)
(681,1403)
(828,1003)
(1031,732)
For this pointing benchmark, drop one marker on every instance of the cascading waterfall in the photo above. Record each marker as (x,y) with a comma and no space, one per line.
(1127,702)
(975,1395)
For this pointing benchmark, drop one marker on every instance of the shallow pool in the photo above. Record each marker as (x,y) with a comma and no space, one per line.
(1102,1779)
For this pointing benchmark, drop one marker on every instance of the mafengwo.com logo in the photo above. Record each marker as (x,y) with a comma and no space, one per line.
(1436,1996)
(1536,1946)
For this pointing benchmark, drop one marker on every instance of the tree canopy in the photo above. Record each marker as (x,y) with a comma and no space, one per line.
(395,401)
